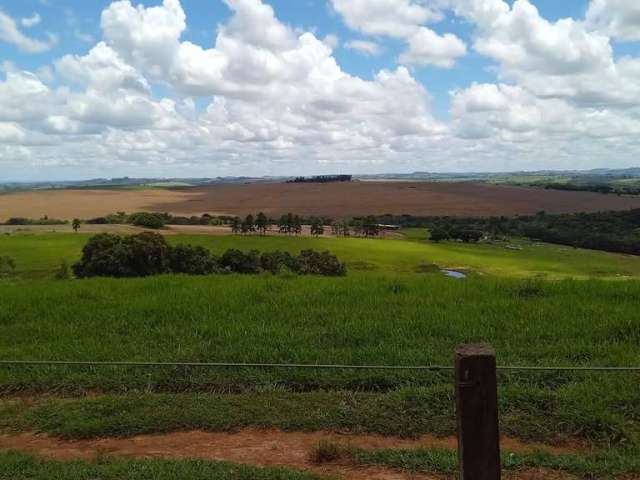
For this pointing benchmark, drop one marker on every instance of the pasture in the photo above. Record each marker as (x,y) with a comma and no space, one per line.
(37,255)
(540,306)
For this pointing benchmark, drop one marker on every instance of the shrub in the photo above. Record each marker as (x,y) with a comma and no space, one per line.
(133,256)
(146,220)
(316,263)
(236,261)
(192,260)
(277,261)
(7,266)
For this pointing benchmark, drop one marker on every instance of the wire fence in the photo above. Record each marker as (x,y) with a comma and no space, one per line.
(434,368)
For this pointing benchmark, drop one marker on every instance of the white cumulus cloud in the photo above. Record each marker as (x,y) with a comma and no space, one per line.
(10,33)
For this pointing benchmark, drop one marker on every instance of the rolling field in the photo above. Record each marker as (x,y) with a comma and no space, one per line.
(332,200)
(540,306)
(37,255)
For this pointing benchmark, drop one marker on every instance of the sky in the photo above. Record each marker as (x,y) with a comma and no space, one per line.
(195,88)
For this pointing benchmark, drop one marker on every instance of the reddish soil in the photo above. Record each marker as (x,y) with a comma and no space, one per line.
(378,198)
(331,199)
(266,448)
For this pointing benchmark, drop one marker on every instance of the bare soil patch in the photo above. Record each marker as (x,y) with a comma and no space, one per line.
(266,448)
(378,198)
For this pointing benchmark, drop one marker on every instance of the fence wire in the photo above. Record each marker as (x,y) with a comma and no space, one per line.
(434,368)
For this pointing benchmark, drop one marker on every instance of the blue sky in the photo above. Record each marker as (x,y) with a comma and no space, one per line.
(70,19)
(466,60)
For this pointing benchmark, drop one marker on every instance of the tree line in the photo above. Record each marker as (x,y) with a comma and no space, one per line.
(291,224)
(322,179)
(613,231)
(146,254)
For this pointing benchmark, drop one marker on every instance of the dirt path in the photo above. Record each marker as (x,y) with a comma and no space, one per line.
(266,448)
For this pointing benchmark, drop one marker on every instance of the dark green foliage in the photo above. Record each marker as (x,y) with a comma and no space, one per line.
(317,263)
(290,223)
(248,226)
(237,261)
(370,227)
(439,234)
(76,224)
(236,225)
(130,256)
(616,231)
(147,253)
(316,226)
(192,260)
(278,261)
(262,223)
(147,220)
(30,221)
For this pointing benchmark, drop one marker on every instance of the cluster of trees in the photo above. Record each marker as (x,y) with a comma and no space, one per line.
(617,231)
(322,179)
(292,225)
(159,220)
(31,221)
(260,223)
(148,254)
(466,235)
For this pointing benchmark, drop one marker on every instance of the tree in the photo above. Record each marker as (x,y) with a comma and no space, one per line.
(316,227)
(146,220)
(336,229)
(316,263)
(282,224)
(296,225)
(370,227)
(248,225)
(236,225)
(262,223)
(109,255)
(76,225)
(438,235)
(468,236)
(345,228)
(357,227)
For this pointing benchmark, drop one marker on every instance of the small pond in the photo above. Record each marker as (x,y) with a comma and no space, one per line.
(454,274)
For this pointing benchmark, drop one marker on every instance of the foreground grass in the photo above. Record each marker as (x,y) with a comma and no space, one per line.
(600,411)
(611,463)
(361,319)
(37,255)
(16,466)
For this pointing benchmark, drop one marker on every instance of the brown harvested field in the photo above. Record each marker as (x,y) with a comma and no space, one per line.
(69,204)
(331,199)
(378,198)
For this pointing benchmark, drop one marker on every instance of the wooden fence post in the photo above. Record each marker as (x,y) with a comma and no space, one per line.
(477,412)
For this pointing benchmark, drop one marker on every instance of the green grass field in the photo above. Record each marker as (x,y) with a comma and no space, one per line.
(37,255)
(543,305)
